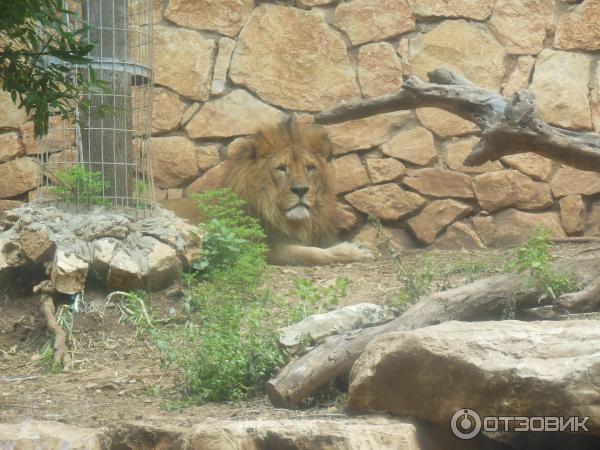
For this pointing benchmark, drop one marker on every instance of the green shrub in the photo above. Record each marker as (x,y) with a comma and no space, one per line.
(314,299)
(534,257)
(79,184)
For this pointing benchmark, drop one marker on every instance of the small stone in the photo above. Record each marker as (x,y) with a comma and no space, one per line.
(69,272)
(459,236)
(457,151)
(373,20)
(222,16)
(36,244)
(350,174)
(572,214)
(444,123)
(212,179)
(164,266)
(208,156)
(297,61)
(386,201)
(519,78)
(384,170)
(439,183)
(571,181)
(435,217)
(18,177)
(472,9)
(104,250)
(415,146)
(578,29)
(365,133)
(167,111)
(11,147)
(124,272)
(560,85)
(237,113)
(521,25)
(226,47)
(451,44)
(174,161)
(379,70)
(384,240)
(505,188)
(183,61)
(531,164)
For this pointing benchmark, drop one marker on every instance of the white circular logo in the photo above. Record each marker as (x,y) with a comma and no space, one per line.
(465,423)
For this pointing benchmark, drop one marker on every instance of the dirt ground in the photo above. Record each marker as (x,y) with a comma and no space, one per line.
(117,374)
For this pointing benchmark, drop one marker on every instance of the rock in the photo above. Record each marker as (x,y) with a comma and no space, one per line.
(595,97)
(478,9)
(531,164)
(223,16)
(11,254)
(346,217)
(350,174)
(18,177)
(69,272)
(560,84)
(384,240)
(451,44)
(314,2)
(237,146)
(499,368)
(124,273)
(505,188)
(164,266)
(435,217)
(174,161)
(33,435)
(226,47)
(383,170)
(5,205)
(571,181)
(572,214)
(167,111)
(312,74)
(97,226)
(319,326)
(459,236)
(578,29)
(521,26)
(519,78)
(237,113)
(415,146)
(10,115)
(592,224)
(61,135)
(457,151)
(444,123)
(375,433)
(212,179)
(379,70)
(36,243)
(511,227)
(208,156)
(439,183)
(386,201)
(11,147)
(189,113)
(365,133)
(373,20)
(104,250)
(183,61)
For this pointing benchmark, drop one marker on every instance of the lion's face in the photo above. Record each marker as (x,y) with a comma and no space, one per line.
(286,181)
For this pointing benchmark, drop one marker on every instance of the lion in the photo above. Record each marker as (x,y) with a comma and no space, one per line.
(283,175)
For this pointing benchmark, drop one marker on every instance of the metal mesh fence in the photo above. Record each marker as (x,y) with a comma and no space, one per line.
(102,157)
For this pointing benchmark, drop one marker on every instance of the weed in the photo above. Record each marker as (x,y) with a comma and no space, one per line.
(315,299)
(534,257)
(416,282)
(81,184)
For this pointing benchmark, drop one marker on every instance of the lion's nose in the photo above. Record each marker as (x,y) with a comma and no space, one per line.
(299,191)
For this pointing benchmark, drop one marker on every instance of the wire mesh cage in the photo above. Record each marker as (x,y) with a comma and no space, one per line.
(102,156)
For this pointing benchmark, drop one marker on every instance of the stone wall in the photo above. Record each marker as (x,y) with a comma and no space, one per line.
(226,67)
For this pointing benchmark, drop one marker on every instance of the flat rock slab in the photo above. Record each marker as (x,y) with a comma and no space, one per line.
(502,368)
(32,435)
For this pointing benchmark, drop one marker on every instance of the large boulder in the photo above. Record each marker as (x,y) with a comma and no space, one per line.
(11,146)
(10,115)
(435,217)
(32,435)
(536,166)
(444,123)
(18,177)
(501,368)
(174,161)
(379,69)
(385,169)
(457,150)
(415,146)
(296,62)
(386,201)
(571,181)
(572,214)
(222,16)
(578,29)
(439,183)
(350,174)
(168,110)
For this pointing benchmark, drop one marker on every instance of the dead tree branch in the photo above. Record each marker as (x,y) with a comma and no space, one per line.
(508,126)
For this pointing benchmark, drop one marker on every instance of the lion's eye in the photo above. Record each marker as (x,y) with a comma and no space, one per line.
(311,169)
(281,168)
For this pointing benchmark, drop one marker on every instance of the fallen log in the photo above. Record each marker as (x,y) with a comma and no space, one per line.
(486,299)
(508,126)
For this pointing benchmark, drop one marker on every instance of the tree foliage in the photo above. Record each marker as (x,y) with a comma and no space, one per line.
(37,49)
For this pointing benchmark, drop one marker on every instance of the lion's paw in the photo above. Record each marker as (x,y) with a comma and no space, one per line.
(350,252)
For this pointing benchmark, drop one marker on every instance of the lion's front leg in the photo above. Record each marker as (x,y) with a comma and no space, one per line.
(300,255)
